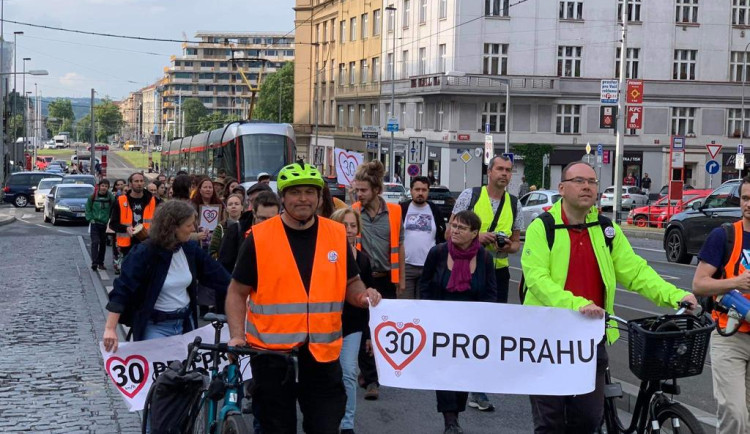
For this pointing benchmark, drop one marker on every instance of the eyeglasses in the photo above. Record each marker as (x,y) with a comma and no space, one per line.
(581,181)
(459,228)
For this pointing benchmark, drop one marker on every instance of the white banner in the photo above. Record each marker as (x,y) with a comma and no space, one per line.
(135,365)
(346,164)
(487,347)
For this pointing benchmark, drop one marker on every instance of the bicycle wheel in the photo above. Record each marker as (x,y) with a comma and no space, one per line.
(200,418)
(236,424)
(676,419)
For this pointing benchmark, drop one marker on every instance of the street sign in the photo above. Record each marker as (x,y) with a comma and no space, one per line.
(511,156)
(739,162)
(392,125)
(599,149)
(370,132)
(712,167)
(678,160)
(740,149)
(417,150)
(606,157)
(713,150)
(588,148)
(489,148)
(607,117)
(486,127)
(413,170)
(635,92)
(635,117)
(678,143)
(588,159)
(609,91)
(478,152)
(466,156)
(599,158)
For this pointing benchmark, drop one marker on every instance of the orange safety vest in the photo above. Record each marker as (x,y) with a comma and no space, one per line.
(733,268)
(281,315)
(126,218)
(394,220)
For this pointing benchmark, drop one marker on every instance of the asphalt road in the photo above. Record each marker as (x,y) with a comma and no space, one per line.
(412,411)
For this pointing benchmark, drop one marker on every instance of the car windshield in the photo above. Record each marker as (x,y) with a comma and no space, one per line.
(263,153)
(79,180)
(74,192)
(47,184)
(394,188)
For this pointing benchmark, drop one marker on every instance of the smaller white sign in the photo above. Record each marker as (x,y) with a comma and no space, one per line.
(739,162)
(610,91)
(489,148)
(210,216)
(346,165)
(678,159)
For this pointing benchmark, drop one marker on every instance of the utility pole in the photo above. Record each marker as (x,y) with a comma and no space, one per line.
(2,90)
(92,164)
(392,168)
(621,115)
(36,119)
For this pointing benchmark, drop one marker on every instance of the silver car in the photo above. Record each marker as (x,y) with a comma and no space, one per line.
(632,197)
(42,190)
(394,192)
(537,202)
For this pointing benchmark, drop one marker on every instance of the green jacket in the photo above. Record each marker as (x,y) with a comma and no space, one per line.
(99,209)
(545,278)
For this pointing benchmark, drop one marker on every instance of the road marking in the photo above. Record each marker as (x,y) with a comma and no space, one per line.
(27,216)
(67,232)
(103,275)
(648,249)
(109,288)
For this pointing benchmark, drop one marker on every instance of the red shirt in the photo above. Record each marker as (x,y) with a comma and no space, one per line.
(584,278)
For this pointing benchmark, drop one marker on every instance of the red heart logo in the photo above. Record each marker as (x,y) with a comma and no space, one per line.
(210,215)
(398,330)
(348,167)
(129,375)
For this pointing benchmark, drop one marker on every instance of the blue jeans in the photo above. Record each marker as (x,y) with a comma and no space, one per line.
(348,359)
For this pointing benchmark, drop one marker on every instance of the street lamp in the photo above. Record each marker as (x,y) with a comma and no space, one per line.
(26,103)
(742,99)
(392,158)
(15,92)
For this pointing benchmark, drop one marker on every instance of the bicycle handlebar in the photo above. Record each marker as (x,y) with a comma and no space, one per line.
(683,306)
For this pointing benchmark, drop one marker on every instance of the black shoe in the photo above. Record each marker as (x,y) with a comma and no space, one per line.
(94,267)
(453,428)
(102,267)
(347,431)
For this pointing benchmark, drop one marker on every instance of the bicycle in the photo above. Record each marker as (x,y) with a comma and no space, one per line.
(661,349)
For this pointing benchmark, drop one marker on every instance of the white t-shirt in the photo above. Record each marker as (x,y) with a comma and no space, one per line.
(419,234)
(174,295)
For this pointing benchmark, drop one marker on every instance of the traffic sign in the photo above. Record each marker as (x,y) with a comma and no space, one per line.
(635,92)
(511,156)
(740,149)
(588,148)
(489,148)
(486,127)
(712,167)
(417,150)
(635,117)
(413,170)
(599,149)
(739,162)
(678,159)
(392,125)
(713,150)
(678,143)
(609,91)
(607,116)
(466,156)
(370,132)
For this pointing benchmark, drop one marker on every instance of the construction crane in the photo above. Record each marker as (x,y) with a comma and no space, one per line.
(253,89)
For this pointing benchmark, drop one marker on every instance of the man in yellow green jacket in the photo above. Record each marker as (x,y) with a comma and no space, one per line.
(582,246)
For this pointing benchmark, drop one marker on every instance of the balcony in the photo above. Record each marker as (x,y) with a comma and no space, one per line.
(366,89)
(473,84)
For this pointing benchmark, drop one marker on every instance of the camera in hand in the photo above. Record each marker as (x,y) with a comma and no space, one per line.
(501,238)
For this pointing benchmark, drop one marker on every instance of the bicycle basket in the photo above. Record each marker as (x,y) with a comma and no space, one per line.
(663,355)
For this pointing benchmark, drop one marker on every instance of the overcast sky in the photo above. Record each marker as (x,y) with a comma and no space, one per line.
(115,67)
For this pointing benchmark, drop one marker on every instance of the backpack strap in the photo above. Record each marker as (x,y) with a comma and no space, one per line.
(728,247)
(475,193)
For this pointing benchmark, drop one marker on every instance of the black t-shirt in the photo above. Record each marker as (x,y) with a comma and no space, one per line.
(303,248)
(137,206)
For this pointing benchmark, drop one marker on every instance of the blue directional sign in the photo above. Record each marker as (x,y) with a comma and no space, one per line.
(712,167)
(392,125)
(510,156)
(740,149)
(487,128)
(599,149)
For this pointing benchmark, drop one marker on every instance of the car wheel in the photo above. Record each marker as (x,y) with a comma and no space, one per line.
(640,220)
(54,220)
(37,209)
(676,249)
(20,201)
(46,219)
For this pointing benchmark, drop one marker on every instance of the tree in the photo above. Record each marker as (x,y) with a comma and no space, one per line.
(61,116)
(193,110)
(276,87)
(533,156)
(108,122)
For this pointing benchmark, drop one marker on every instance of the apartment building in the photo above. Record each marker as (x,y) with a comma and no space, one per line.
(210,70)
(130,108)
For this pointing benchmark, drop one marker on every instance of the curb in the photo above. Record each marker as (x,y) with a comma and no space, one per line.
(7,220)
(630,393)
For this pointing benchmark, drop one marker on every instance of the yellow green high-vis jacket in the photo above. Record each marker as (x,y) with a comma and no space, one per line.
(545,271)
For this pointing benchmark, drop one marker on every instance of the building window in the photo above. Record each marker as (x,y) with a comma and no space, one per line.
(631,63)
(439,117)
(684,64)
(735,121)
(365,25)
(407,12)
(388,111)
(683,120)
(568,119)
(353,29)
(740,12)
(317,33)
(405,64)
(351,116)
(422,11)
(494,113)
(422,61)
(571,10)
(441,58)
(391,19)
(333,112)
(739,62)
(342,74)
(634,10)
(496,8)
(376,22)
(569,61)
(342,33)
(420,116)
(341,116)
(363,73)
(362,115)
(389,70)
(402,115)
(325,31)
(495,60)
(374,114)
(352,73)
(375,69)
(333,30)
(686,11)
(443,9)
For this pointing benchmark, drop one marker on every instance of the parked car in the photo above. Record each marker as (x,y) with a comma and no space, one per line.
(337,190)
(442,197)
(54,170)
(20,187)
(658,213)
(79,179)
(67,202)
(42,190)
(687,231)
(98,147)
(631,197)
(62,163)
(537,202)
(394,192)
(664,190)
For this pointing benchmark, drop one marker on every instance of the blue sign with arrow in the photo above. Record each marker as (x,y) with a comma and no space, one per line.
(712,167)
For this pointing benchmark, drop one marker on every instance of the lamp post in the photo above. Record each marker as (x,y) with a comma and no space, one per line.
(15,93)
(392,152)
(742,98)
(26,103)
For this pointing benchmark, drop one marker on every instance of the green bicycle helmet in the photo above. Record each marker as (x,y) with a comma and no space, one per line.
(299,174)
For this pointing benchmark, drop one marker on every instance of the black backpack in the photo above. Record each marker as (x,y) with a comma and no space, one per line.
(477,191)
(550,227)
(174,400)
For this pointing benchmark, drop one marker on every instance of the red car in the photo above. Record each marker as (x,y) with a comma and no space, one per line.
(659,213)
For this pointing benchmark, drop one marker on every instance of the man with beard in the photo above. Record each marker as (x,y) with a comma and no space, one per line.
(137,207)
(423,228)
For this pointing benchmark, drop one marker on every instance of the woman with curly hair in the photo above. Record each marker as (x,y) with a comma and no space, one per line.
(156,292)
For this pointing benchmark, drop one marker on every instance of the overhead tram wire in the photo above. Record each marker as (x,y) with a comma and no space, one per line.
(107,35)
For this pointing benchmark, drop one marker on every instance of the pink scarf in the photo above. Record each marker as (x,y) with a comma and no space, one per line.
(460,279)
